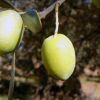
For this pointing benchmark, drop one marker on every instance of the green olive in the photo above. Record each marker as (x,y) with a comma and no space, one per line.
(58,56)
(11,31)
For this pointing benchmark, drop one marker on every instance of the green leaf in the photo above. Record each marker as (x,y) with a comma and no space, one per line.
(32,21)
(6,4)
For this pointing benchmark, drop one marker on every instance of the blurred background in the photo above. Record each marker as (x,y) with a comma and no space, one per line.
(80,21)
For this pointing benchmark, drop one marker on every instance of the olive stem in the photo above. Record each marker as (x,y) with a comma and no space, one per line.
(11,86)
(57,18)
(45,12)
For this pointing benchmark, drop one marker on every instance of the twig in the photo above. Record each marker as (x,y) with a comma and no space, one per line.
(11,86)
(7,4)
(44,13)
(33,80)
(57,19)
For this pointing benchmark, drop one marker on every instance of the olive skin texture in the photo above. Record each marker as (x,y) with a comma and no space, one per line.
(11,31)
(58,56)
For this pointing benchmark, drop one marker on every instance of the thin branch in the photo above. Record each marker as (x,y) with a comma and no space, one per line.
(7,4)
(11,86)
(44,13)
(33,80)
(57,19)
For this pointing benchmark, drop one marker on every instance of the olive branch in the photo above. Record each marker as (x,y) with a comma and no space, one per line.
(42,14)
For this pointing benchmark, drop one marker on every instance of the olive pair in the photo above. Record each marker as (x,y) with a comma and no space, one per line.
(57,52)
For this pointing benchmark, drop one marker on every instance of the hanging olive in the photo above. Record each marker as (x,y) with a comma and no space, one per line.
(11,31)
(58,56)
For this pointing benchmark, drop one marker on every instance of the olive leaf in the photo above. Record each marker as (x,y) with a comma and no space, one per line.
(32,20)
(6,4)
